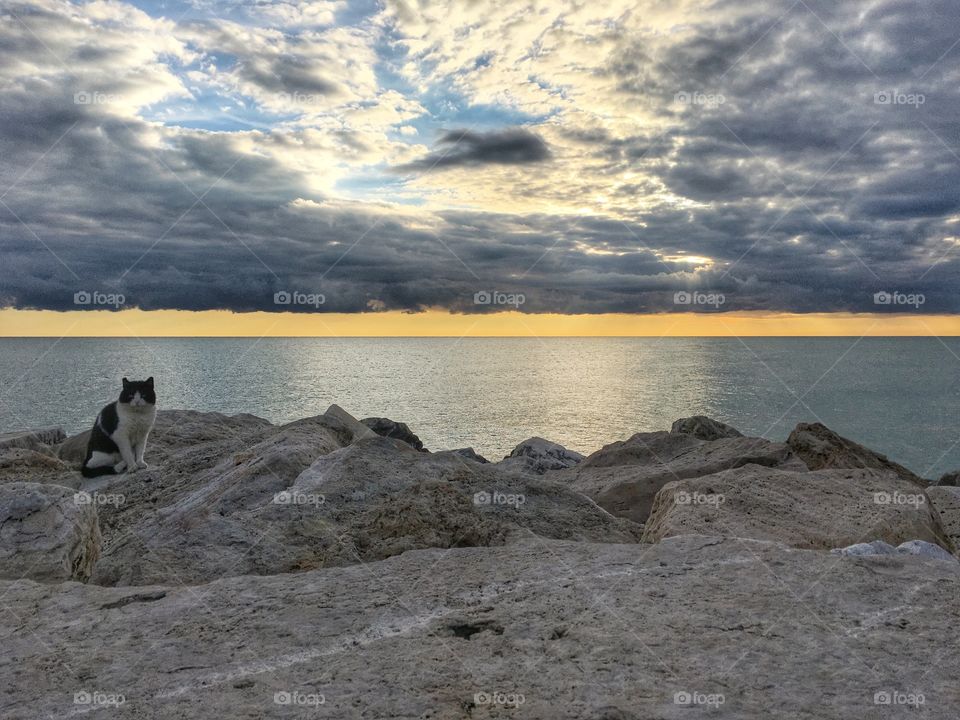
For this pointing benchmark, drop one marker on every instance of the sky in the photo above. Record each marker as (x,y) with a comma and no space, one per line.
(556,161)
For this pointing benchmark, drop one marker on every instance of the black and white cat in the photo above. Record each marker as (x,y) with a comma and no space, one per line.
(120,432)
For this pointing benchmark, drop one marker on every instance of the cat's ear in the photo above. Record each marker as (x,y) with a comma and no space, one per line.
(125,382)
(150,381)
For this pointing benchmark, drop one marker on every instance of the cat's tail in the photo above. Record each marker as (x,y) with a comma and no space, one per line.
(92,472)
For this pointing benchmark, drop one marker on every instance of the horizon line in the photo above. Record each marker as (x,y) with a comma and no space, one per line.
(133,322)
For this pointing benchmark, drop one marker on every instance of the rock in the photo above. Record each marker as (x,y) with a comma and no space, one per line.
(37,440)
(705,428)
(360,481)
(819,509)
(877,547)
(207,510)
(386,427)
(537,456)
(19,464)
(951,479)
(46,533)
(624,477)
(358,431)
(821,448)
(470,454)
(945,502)
(919,547)
(549,629)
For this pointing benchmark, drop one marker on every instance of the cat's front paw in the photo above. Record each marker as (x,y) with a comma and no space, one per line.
(142,465)
(120,467)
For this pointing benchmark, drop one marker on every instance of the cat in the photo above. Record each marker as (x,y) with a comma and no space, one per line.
(119,435)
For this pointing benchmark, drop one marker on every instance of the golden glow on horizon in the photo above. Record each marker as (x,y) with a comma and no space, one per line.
(436,323)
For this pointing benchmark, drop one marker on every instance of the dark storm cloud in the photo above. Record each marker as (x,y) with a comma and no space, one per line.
(463,148)
(803,192)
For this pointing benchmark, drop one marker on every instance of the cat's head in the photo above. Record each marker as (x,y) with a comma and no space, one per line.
(138,392)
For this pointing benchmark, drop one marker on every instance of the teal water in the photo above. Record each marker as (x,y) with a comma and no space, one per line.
(899,396)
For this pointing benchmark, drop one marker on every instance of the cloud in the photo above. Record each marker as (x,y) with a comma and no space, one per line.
(463,148)
(210,162)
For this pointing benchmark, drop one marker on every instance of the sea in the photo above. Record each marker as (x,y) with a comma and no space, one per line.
(898,396)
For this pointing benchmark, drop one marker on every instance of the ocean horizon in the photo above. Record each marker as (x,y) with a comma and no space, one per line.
(895,395)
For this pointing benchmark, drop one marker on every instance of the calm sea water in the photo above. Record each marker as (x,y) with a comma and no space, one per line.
(899,396)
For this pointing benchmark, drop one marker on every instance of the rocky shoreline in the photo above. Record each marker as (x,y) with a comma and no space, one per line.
(332,567)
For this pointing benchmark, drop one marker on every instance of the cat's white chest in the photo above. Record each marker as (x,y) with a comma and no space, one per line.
(135,423)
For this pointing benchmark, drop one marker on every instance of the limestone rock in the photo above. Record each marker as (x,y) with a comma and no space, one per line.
(624,477)
(38,440)
(357,430)
(537,456)
(946,506)
(821,448)
(548,629)
(470,454)
(820,509)
(386,427)
(705,428)
(18,464)
(46,533)
(926,549)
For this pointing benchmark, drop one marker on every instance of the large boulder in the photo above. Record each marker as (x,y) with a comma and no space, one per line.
(946,506)
(47,533)
(536,456)
(385,427)
(624,477)
(821,449)
(692,627)
(18,464)
(820,509)
(39,439)
(360,482)
(704,428)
